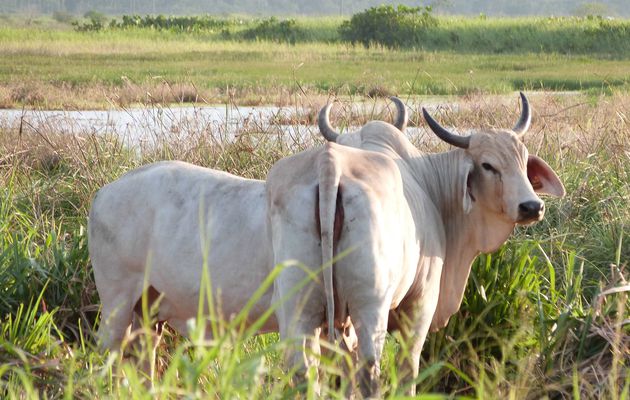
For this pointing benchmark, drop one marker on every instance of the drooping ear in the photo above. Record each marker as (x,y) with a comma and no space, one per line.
(543,179)
(465,176)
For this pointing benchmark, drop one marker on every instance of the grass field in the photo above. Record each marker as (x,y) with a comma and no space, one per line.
(49,68)
(546,316)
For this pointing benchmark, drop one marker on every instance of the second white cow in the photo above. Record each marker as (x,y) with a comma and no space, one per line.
(403,226)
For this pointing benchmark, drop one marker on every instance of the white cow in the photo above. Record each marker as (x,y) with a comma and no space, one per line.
(410,225)
(156,226)
(158,223)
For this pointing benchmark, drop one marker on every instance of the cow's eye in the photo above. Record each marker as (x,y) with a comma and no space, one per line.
(488,167)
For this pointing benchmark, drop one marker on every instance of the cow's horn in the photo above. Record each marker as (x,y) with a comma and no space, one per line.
(324,124)
(526,117)
(450,138)
(401,117)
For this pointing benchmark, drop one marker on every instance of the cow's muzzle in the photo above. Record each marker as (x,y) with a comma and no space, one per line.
(530,211)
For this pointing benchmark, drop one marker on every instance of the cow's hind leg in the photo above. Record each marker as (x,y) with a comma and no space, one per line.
(116,315)
(144,345)
(370,320)
(145,340)
(298,289)
(349,343)
(115,319)
(300,317)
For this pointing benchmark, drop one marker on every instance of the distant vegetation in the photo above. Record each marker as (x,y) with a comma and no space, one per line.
(388,26)
(277,31)
(271,29)
(402,27)
(183,24)
(133,59)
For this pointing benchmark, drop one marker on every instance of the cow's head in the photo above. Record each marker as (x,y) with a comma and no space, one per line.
(500,175)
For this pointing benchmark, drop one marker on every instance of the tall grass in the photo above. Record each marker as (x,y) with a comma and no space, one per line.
(545,316)
(564,35)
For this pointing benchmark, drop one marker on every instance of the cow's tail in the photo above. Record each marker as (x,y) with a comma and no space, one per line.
(331,220)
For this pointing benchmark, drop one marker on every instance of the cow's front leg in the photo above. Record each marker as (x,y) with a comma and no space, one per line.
(414,324)
(411,363)
(413,327)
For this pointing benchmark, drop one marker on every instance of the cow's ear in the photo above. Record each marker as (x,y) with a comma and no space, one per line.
(543,179)
(465,182)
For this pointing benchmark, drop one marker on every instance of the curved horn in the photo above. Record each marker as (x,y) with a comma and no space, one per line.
(402,116)
(450,138)
(526,117)
(323,122)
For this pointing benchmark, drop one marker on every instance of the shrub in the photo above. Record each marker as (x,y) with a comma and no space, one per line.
(91,26)
(272,29)
(388,26)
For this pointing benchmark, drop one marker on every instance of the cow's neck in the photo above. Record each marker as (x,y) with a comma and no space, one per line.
(466,234)
(438,177)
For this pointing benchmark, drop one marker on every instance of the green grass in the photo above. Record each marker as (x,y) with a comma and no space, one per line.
(539,318)
(563,35)
(49,67)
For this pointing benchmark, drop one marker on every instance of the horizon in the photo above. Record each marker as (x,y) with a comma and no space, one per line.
(343,8)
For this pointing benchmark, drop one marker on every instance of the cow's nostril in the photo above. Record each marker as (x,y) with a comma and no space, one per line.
(531,209)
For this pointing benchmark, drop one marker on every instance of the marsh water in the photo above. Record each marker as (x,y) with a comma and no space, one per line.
(141,125)
(153,125)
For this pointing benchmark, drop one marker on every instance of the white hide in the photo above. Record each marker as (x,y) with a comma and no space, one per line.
(150,223)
